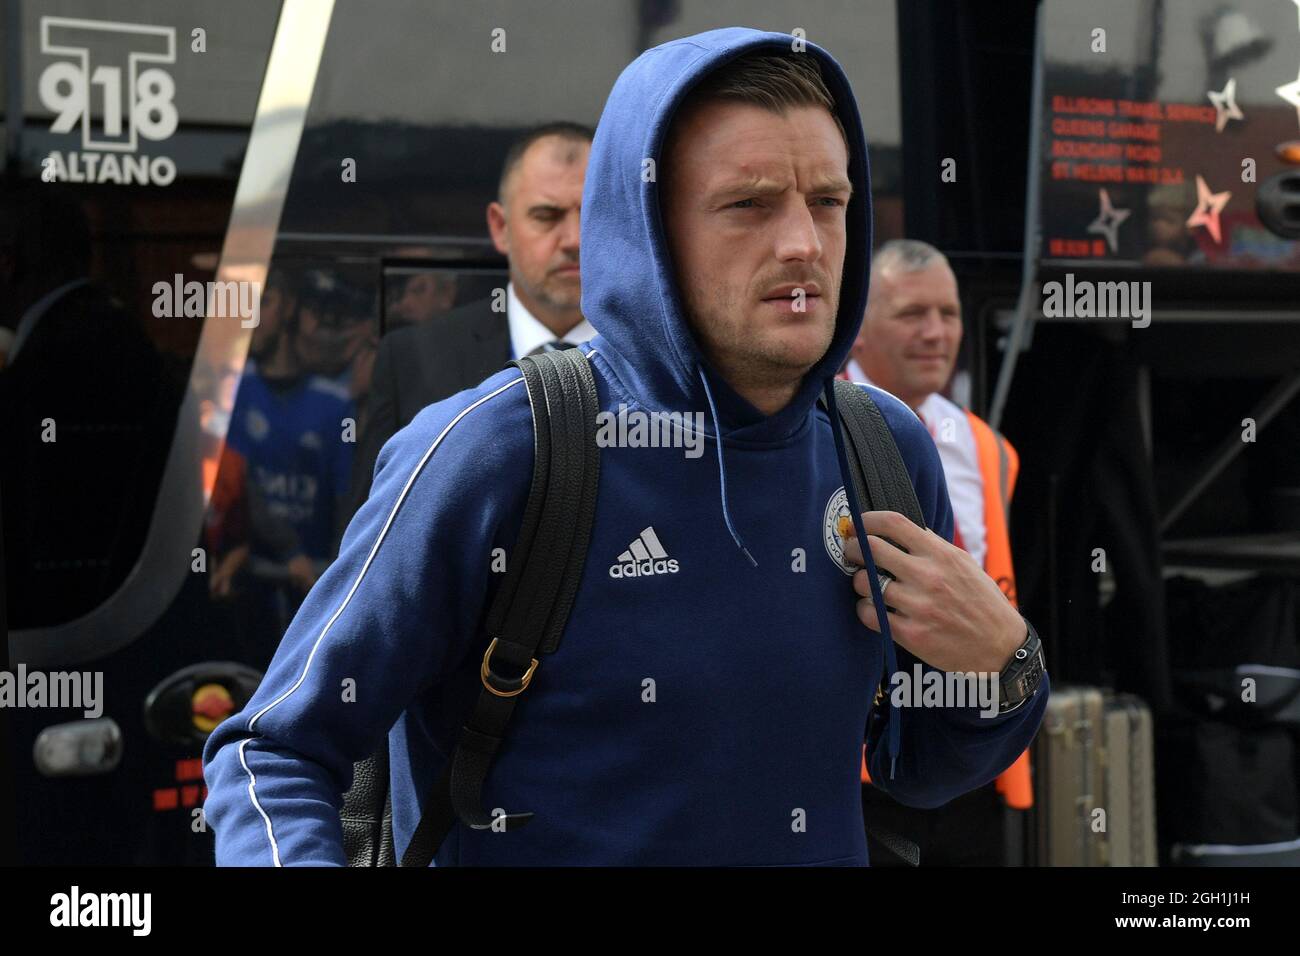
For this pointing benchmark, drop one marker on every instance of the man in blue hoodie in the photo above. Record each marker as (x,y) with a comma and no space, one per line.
(712,711)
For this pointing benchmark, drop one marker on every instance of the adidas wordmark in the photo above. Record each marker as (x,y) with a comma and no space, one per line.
(643,557)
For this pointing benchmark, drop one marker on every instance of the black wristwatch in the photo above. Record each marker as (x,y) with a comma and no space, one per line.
(1020,679)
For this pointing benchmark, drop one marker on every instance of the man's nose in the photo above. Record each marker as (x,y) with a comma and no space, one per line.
(932,327)
(571,232)
(797,237)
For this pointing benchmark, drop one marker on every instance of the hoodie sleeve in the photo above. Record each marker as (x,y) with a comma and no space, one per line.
(946,751)
(391,617)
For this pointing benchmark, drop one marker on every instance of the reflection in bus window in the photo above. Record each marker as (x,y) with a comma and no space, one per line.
(415,296)
(277,509)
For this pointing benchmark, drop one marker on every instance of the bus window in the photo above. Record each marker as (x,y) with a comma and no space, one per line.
(113,211)
(417,293)
(278,505)
(1160,155)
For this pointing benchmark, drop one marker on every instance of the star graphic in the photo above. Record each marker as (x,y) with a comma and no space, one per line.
(1225,104)
(1291,91)
(1108,220)
(1208,207)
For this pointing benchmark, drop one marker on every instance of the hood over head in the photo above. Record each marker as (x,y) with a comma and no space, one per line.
(629,288)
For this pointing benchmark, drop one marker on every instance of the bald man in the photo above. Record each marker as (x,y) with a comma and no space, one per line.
(534,223)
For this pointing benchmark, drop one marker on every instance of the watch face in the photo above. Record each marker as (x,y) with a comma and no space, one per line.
(1027,681)
(1033,674)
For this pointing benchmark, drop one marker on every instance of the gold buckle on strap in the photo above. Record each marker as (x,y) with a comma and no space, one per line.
(485,673)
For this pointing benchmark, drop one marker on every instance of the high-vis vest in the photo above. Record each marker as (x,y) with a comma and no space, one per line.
(998,466)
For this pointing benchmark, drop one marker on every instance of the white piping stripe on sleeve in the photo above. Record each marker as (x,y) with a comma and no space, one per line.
(252,795)
(252,721)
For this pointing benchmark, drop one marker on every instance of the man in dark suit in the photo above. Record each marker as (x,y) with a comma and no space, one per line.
(534,224)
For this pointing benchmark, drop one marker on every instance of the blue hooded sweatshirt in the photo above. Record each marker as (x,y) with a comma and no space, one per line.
(712,711)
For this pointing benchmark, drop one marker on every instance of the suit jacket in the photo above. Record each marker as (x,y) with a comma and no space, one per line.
(420,364)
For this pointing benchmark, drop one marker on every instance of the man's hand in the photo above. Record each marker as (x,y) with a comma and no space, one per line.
(302,572)
(221,582)
(943,608)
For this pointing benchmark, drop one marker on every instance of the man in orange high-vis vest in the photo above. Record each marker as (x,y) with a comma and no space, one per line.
(908,345)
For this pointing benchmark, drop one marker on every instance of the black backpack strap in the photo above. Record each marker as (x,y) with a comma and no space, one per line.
(533,602)
(882,483)
(880,477)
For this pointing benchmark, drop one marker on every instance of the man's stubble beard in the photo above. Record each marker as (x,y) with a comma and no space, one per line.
(743,358)
(552,292)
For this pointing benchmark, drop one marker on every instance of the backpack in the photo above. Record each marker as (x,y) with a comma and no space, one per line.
(531,607)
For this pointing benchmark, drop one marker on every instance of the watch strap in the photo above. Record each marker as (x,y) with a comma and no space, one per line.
(1023,675)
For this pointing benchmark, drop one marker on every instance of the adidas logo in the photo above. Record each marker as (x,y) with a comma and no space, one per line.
(644,556)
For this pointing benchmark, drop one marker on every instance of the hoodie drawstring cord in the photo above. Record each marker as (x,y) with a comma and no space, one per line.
(873,577)
(894,736)
(722,469)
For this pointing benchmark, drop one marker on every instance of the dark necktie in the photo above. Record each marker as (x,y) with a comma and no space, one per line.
(553,346)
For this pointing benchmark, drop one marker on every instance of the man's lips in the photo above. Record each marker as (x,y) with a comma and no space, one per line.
(810,290)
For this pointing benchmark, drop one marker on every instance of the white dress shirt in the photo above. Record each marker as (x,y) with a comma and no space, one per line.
(527,331)
(955,440)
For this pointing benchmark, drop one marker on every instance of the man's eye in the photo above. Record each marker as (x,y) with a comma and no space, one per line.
(831,200)
(740,204)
